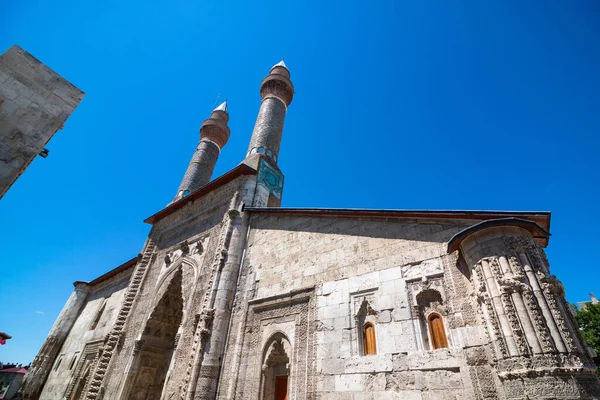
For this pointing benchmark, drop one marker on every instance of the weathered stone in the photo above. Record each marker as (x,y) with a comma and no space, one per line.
(231,299)
(29,116)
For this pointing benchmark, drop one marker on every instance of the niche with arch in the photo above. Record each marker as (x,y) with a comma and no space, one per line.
(365,322)
(275,380)
(430,310)
(157,344)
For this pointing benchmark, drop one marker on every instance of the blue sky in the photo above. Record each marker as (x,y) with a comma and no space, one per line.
(405,105)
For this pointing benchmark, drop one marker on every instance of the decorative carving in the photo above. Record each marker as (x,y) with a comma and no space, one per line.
(198,249)
(552,288)
(515,325)
(137,346)
(204,324)
(168,258)
(184,247)
(423,286)
(538,321)
(495,267)
(132,292)
(87,362)
(517,268)
(295,310)
(484,297)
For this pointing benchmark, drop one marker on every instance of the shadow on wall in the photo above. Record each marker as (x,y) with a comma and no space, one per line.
(425,230)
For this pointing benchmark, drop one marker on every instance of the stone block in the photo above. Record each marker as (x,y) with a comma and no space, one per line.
(384,317)
(326,337)
(330,366)
(350,382)
(390,274)
(368,364)
(442,379)
(468,336)
(434,359)
(365,281)
(400,395)
(401,313)
(325,383)
(330,311)
(400,362)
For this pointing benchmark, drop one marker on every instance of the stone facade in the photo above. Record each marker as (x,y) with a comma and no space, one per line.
(236,298)
(78,336)
(35,102)
(10,381)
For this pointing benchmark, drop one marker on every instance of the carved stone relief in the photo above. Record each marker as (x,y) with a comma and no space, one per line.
(84,370)
(297,309)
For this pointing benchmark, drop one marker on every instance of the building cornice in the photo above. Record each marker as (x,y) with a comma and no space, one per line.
(229,176)
(541,218)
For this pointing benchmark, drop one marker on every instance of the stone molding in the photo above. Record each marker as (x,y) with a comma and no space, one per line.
(298,308)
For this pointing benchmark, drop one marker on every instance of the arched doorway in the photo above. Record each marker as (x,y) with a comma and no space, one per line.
(276,368)
(80,385)
(157,343)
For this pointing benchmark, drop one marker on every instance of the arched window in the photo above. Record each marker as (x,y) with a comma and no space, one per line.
(98,315)
(437,332)
(73,361)
(369,346)
(58,363)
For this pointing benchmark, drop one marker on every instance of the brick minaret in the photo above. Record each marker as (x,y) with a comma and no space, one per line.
(277,92)
(214,134)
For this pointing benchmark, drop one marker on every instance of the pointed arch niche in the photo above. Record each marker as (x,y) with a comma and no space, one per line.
(154,350)
(275,380)
(365,323)
(430,309)
(81,383)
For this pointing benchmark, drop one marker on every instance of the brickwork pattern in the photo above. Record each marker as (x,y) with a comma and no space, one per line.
(269,126)
(201,167)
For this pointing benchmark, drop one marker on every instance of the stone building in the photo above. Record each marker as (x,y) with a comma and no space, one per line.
(35,102)
(234,297)
(10,380)
(592,300)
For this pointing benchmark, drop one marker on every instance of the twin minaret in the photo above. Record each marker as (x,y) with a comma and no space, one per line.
(277,92)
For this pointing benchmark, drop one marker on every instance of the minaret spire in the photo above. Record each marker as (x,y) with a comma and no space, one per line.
(277,92)
(214,134)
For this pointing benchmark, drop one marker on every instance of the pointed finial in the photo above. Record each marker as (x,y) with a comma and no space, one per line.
(280,64)
(223,107)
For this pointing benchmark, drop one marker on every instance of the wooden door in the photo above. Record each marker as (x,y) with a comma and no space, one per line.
(437,332)
(281,383)
(369,346)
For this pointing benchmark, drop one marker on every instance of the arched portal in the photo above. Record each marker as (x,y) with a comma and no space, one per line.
(157,343)
(276,368)
(80,385)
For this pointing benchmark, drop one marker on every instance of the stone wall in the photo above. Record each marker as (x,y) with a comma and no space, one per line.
(538,350)
(35,102)
(315,280)
(192,240)
(86,337)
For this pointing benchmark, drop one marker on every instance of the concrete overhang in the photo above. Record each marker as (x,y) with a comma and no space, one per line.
(541,218)
(540,234)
